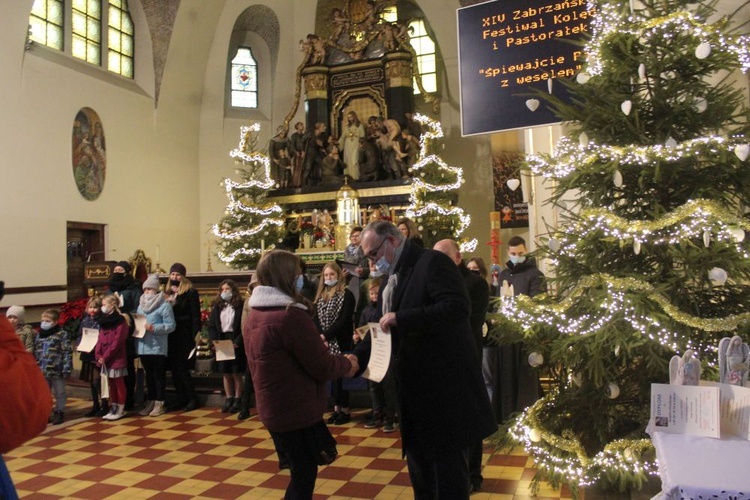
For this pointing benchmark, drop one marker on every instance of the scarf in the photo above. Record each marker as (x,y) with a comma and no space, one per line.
(150,303)
(110,320)
(329,310)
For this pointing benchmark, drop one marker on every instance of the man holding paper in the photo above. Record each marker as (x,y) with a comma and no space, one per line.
(443,405)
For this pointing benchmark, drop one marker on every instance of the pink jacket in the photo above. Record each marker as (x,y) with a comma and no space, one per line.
(111,344)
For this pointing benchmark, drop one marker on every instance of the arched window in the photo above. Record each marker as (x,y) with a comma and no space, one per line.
(244,79)
(84,38)
(424,46)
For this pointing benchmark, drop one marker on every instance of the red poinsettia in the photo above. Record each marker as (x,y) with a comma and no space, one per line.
(71,314)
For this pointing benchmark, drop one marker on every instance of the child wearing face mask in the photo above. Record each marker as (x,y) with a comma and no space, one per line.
(54,354)
(225,323)
(111,355)
(89,371)
(334,317)
(152,347)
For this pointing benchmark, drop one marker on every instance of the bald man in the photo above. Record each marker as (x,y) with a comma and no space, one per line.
(479,298)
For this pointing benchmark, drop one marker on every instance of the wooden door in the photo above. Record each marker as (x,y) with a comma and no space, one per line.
(85,242)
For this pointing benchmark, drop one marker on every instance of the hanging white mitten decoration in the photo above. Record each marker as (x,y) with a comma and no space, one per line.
(642,71)
(626,106)
(535,435)
(742,151)
(583,139)
(582,78)
(700,104)
(513,184)
(703,50)
(706,238)
(536,359)
(532,104)
(617,178)
(738,234)
(613,391)
(718,276)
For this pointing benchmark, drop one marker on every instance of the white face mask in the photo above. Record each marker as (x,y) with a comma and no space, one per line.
(46,325)
(107,309)
(517,259)
(331,282)
(226,295)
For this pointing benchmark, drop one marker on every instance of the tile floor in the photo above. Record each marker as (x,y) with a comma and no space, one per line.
(207,454)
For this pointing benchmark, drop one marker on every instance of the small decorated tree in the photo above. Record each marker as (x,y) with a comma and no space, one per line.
(434,192)
(251,223)
(651,257)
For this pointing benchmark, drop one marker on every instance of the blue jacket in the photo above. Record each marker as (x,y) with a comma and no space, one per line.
(155,342)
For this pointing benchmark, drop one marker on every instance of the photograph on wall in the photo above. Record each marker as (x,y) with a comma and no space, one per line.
(89,154)
(506,174)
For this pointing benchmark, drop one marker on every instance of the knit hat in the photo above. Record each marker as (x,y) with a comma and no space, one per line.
(178,268)
(125,265)
(17,311)
(151,282)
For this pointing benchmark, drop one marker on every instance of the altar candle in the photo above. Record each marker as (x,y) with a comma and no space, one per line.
(262,246)
(158,260)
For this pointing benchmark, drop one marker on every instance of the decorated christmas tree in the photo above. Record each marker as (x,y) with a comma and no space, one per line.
(434,192)
(251,223)
(651,258)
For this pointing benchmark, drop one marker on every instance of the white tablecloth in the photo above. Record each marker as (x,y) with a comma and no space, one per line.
(693,467)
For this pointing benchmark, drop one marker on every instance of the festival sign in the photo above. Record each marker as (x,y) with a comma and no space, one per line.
(509,48)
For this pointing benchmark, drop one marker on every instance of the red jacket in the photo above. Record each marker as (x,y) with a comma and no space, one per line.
(288,361)
(25,398)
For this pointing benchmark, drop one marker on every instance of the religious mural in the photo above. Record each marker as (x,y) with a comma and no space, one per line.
(89,154)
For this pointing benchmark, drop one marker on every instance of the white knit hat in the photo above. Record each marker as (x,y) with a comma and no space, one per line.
(17,311)
(151,282)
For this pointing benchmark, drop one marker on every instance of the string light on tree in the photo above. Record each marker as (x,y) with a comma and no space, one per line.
(432,191)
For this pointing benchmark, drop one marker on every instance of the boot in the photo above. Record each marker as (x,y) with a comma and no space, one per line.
(147,408)
(158,409)
(104,408)
(95,408)
(58,417)
(112,411)
(119,413)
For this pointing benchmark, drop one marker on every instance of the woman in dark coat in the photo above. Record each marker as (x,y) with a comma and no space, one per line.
(187,314)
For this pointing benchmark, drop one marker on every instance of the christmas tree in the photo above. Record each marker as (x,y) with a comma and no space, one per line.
(251,223)
(434,192)
(650,259)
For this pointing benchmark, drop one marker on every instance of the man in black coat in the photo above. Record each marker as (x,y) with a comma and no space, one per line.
(443,406)
(479,298)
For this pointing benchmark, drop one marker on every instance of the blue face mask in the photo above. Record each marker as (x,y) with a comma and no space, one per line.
(331,282)
(376,274)
(299,283)
(46,325)
(226,295)
(382,265)
(517,259)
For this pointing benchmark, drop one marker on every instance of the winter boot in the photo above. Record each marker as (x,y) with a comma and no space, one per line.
(147,408)
(119,413)
(58,417)
(112,411)
(104,408)
(158,409)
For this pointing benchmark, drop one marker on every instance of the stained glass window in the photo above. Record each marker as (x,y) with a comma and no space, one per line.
(120,39)
(86,18)
(84,36)
(244,79)
(46,23)
(424,46)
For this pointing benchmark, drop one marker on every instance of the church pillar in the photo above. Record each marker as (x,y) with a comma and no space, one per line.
(398,85)
(316,90)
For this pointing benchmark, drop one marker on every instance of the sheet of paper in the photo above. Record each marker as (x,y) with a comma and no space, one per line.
(380,353)
(88,340)
(224,350)
(362,331)
(140,325)
(734,408)
(685,409)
